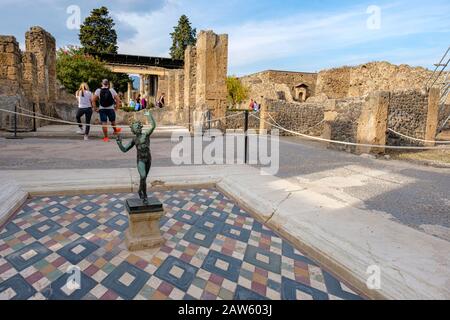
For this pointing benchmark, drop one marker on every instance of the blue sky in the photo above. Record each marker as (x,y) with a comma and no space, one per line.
(263,34)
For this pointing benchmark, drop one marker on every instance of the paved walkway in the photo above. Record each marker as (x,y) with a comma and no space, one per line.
(413,195)
(213,250)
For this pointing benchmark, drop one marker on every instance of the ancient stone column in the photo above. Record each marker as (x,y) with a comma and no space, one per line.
(179,89)
(129,91)
(43,45)
(372,123)
(211,73)
(432,116)
(190,69)
(141,85)
(171,89)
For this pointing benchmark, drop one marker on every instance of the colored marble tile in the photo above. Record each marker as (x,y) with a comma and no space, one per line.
(77,250)
(126,280)
(213,250)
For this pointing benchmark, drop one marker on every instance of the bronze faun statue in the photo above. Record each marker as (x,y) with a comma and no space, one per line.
(144,158)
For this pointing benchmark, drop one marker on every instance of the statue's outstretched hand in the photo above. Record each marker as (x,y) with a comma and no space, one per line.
(146,113)
(119,138)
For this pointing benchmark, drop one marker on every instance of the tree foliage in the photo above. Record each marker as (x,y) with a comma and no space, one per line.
(74,66)
(97,33)
(182,36)
(237,92)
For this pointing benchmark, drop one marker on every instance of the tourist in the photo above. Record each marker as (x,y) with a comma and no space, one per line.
(251,105)
(108,101)
(161,101)
(144,102)
(84,97)
(138,103)
(255,106)
(132,104)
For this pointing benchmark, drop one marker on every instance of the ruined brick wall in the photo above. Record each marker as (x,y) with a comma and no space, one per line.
(365,78)
(344,126)
(334,83)
(11,90)
(162,86)
(236,120)
(211,73)
(179,89)
(43,45)
(190,69)
(444,113)
(170,94)
(305,118)
(407,114)
(277,85)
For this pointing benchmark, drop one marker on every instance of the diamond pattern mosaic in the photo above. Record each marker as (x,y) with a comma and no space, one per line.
(213,250)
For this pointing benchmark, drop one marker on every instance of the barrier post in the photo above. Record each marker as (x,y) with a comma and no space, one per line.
(15,125)
(246,137)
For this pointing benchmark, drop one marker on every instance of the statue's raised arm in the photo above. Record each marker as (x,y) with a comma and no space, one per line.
(152,121)
(123,148)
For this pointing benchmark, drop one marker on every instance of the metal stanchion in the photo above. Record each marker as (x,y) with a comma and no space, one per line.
(34,117)
(246,137)
(15,125)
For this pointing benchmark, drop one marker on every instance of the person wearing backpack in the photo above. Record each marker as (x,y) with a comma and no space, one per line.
(108,100)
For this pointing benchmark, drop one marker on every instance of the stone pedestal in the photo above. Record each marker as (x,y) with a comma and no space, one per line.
(143,230)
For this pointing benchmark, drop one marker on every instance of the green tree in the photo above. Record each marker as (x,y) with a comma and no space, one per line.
(237,92)
(97,34)
(74,66)
(182,36)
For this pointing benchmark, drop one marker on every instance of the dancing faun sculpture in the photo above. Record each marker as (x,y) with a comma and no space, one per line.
(144,158)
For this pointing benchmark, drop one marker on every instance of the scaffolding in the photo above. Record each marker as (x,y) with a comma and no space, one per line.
(440,79)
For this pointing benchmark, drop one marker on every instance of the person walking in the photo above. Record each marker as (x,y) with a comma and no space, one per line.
(84,98)
(109,101)
(144,102)
(251,105)
(161,102)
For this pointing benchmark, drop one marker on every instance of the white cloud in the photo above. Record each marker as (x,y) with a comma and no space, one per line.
(152,30)
(262,43)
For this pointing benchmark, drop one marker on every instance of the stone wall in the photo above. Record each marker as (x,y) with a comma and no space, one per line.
(235,120)
(179,89)
(305,118)
(211,73)
(407,115)
(11,83)
(365,78)
(342,121)
(278,85)
(43,45)
(190,80)
(334,83)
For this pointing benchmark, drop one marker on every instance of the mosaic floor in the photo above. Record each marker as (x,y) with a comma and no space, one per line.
(213,250)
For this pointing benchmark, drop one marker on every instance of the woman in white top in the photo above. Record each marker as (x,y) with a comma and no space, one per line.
(84,97)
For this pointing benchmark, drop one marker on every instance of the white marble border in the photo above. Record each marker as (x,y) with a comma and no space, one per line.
(342,238)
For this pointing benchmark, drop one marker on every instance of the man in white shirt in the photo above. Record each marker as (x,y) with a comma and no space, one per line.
(108,100)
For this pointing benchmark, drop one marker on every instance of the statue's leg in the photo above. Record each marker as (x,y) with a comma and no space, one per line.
(143,180)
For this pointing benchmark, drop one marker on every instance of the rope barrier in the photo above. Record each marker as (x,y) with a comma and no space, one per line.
(416,139)
(272,124)
(323,120)
(53,119)
(349,143)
